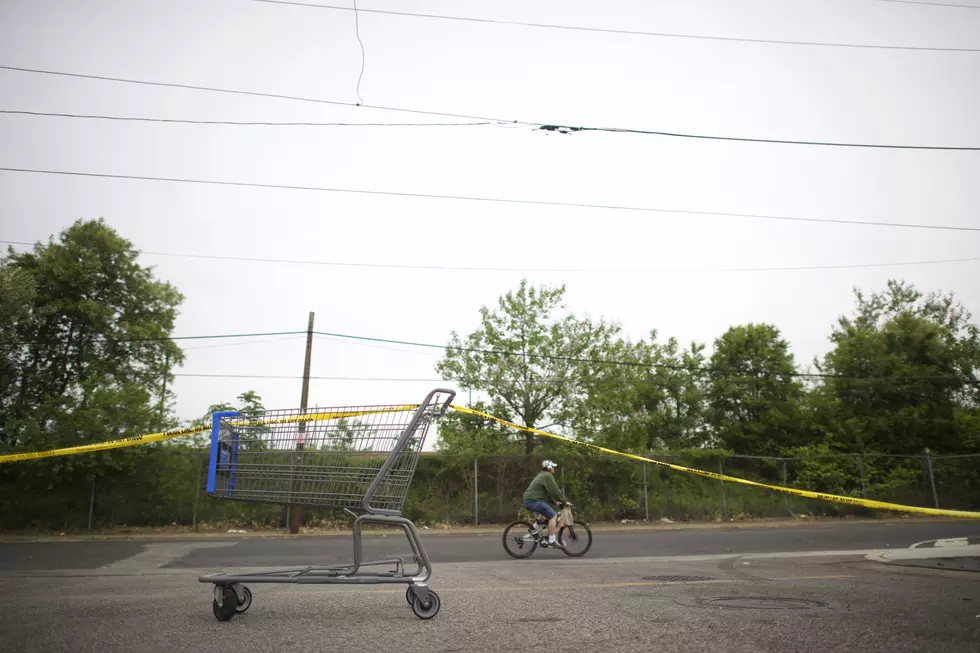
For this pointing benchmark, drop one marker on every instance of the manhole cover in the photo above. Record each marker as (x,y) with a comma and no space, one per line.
(676,579)
(755,602)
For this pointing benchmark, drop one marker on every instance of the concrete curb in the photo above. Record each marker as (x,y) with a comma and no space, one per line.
(464,531)
(957,554)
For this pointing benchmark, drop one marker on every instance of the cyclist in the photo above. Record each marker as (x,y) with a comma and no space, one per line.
(540,493)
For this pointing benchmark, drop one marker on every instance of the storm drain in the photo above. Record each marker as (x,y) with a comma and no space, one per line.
(676,579)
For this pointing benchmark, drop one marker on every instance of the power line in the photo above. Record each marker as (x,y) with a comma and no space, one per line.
(570,359)
(618,130)
(490,200)
(478,119)
(214,89)
(250,123)
(451,268)
(936,4)
(219,336)
(667,366)
(357,31)
(312,378)
(602,30)
(533,382)
(240,344)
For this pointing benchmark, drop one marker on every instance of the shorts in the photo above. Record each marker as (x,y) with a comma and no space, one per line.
(540,507)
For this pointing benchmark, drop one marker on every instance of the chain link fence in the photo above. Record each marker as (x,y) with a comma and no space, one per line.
(167,488)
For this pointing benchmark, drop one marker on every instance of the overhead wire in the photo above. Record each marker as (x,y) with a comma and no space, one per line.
(627,32)
(553,357)
(247,342)
(231,91)
(492,200)
(935,4)
(452,268)
(543,126)
(248,123)
(357,31)
(636,364)
(540,382)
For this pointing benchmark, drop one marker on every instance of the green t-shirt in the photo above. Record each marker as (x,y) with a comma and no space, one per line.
(543,488)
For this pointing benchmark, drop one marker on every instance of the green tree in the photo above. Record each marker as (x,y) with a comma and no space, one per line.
(462,433)
(905,373)
(249,405)
(673,396)
(651,399)
(17,293)
(754,401)
(527,357)
(86,348)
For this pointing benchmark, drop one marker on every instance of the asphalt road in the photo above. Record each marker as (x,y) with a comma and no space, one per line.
(752,590)
(478,548)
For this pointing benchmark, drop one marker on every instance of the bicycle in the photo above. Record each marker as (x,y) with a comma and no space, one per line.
(526,538)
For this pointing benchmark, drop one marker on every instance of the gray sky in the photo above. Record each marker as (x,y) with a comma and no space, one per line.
(542,75)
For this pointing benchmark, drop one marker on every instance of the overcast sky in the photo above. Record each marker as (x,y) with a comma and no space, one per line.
(542,75)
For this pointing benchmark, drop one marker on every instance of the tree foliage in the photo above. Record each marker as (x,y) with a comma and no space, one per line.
(85,356)
(86,353)
(904,373)
(901,376)
(527,357)
(753,395)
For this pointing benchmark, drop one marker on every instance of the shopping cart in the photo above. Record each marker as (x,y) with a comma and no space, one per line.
(357,459)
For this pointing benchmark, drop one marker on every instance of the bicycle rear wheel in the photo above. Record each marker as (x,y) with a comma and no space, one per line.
(518,542)
(576,540)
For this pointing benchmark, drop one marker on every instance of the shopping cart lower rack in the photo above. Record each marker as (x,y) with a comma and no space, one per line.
(357,459)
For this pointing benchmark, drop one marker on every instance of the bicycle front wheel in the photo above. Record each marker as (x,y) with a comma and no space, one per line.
(518,541)
(575,540)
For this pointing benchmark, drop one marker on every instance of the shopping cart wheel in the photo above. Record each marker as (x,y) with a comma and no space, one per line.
(247,603)
(423,612)
(229,604)
(409,596)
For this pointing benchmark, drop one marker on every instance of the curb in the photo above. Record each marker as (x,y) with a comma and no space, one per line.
(473,531)
(957,554)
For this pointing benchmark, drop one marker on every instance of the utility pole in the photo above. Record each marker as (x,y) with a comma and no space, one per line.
(294,513)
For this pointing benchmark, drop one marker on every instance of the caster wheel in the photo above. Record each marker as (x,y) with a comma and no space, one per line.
(409,596)
(228,607)
(423,611)
(246,604)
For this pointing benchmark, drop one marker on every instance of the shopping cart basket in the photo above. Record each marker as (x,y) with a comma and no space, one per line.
(357,459)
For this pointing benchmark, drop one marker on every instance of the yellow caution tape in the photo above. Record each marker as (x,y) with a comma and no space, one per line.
(180,433)
(867,503)
(317,417)
(103,446)
(312,417)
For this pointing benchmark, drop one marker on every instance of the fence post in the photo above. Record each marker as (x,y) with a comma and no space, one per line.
(932,479)
(197,491)
(864,490)
(646,503)
(724,507)
(91,505)
(476,494)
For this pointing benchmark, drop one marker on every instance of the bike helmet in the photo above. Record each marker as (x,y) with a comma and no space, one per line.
(549,464)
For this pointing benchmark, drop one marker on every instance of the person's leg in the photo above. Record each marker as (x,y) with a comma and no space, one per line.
(549,513)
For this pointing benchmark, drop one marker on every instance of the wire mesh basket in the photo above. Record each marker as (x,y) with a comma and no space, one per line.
(333,458)
(359,458)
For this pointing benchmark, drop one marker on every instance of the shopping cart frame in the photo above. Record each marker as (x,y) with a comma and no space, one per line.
(232,597)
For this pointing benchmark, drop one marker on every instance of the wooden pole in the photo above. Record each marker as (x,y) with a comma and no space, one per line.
(294,512)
